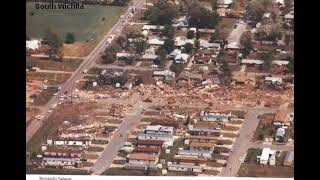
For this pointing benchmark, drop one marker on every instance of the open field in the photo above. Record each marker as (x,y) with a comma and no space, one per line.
(88,25)
(45,96)
(65,65)
(31,112)
(253,170)
(30,170)
(53,78)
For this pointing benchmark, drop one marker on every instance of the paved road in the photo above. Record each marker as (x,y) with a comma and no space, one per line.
(86,64)
(116,143)
(243,142)
(237,32)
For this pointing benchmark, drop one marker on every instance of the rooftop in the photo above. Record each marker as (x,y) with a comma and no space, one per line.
(159,128)
(150,142)
(141,156)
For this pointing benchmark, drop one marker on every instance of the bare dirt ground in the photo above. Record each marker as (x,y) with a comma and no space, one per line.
(78,49)
(31,112)
(33,86)
(253,170)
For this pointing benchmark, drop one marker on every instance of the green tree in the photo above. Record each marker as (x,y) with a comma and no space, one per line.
(267,60)
(69,39)
(190,34)
(53,40)
(122,41)
(291,63)
(226,73)
(169,45)
(140,45)
(162,53)
(214,4)
(197,44)
(161,13)
(110,53)
(177,68)
(246,42)
(188,47)
(198,35)
(256,8)
(168,31)
(200,17)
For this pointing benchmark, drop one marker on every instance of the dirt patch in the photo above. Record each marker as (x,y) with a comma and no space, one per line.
(230,135)
(78,49)
(231,128)
(45,96)
(53,78)
(65,65)
(91,156)
(114,121)
(95,141)
(30,113)
(152,113)
(119,161)
(95,149)
(252,170)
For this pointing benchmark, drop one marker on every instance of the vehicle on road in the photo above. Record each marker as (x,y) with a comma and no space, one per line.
(53,106)
(39,117)
(77,81)
(59,88)
(85,71)
(45,81)
(240,158)
(55,93)
(49,111)
(61,99)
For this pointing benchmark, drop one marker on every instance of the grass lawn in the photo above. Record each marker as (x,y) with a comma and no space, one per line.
(252,155)
(65,65)
(45,96)
(228,23)
(53,78)
(30,170)
(86,24)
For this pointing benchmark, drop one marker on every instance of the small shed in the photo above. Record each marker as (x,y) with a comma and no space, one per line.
(288,160)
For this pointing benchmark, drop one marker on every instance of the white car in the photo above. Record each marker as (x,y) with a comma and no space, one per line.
(61,99)
(49,111)
(45,81)
(77,81)
(59,88)
(55,94)
(240,158)
(45,87)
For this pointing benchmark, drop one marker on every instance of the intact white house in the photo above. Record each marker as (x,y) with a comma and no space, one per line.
(216,115)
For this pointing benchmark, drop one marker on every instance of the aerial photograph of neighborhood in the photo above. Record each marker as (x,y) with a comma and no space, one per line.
(160,88)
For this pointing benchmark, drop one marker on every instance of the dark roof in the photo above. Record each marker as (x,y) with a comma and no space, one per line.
(150,142)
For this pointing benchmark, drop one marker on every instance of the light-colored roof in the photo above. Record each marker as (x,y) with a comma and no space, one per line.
(266,15)
(155,41)
(225,1)
(233,45)
(124,55)
(159,128)
(201,145)
(280,132)
(150,56)
(281,116)
(152,27)
(280,62)
(181,41)
(140,156)
(265,154)
(218,111)
(206,44)
(206,30)
(289,157)
(175,52)
(182,56)
(33,44)
(251,61)
(164,73)
(289,16)
(274,79)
